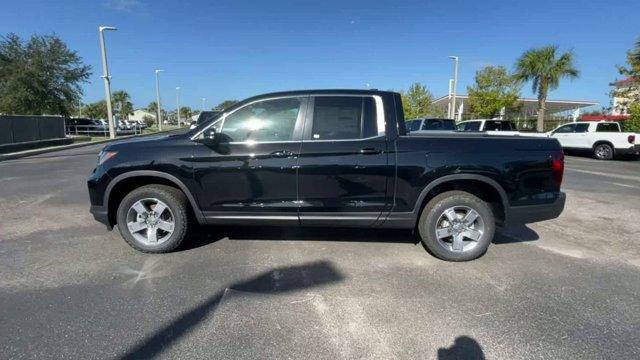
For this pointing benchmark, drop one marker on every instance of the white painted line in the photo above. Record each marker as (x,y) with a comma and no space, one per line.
(625,185)
(623,177)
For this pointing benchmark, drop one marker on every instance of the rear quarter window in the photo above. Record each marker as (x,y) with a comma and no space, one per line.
(607,127)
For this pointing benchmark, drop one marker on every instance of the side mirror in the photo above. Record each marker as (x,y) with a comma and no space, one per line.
(209,137)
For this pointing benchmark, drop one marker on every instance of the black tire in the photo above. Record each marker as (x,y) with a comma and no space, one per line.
(175,200)
(603,152)
(431,216)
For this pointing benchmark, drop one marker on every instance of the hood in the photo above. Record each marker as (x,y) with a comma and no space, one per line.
(146,141)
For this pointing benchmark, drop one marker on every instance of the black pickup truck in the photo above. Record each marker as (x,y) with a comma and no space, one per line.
(326,158)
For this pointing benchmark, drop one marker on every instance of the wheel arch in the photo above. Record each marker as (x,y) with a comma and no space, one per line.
(117,189)
(607,142)
(455,180)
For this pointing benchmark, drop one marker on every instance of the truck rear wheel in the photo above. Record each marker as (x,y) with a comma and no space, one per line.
(153,218)
(603,152)
(456,226)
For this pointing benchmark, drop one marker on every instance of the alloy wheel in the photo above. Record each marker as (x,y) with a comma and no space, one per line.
(459,229)
(150,221)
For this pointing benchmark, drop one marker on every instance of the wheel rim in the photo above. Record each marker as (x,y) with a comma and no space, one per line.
(459,228)
(603,151)
(150,221)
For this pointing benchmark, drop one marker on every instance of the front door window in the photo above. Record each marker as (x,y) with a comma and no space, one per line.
(270,120)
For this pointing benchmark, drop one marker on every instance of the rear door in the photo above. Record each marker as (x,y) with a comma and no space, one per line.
(343,166)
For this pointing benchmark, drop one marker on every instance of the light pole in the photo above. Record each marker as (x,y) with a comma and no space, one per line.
(455,84)
(158,106)
(178,104)
(107,80)
(203,101)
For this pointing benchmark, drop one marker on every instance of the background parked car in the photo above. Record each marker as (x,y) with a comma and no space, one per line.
(602,139)
(430,124)
(490,126)
(86,126)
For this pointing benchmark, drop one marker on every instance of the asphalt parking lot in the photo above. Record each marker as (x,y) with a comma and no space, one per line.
(567,288)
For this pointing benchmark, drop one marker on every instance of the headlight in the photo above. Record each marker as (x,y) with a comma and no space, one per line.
(105,155)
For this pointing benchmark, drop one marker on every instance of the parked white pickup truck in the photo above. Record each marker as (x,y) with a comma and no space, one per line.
(602,139)
(489,126)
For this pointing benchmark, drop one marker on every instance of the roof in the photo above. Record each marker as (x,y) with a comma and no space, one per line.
(623,82)
(553,106)
(604,117)
(323,91)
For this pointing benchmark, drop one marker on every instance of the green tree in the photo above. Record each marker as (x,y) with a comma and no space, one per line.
(96,110)
(418,102)
(225,105)
(633,123)
(122,106)
(153,108)
(544,68)
(149,120)
(39,76)
(186,112)
(493,90)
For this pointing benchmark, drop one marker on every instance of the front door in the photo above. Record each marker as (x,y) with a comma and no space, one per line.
(343,165)
(565,135)
(251,172)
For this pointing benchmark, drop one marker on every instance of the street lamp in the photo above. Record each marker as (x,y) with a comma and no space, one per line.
(107,80)
(452,109)
(158,106)
(203,101)
(178,104)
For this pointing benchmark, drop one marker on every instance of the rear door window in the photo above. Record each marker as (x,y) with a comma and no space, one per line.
(581,128)
(491,126)
(469,126)
(343,117)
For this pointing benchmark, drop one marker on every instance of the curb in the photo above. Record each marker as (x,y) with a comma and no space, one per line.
(21,154)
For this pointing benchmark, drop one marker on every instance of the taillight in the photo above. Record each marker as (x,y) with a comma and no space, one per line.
(557,166)
(631,139)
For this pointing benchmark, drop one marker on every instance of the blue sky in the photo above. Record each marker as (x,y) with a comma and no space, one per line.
(235,49)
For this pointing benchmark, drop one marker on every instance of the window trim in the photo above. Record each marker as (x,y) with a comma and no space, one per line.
(308,123)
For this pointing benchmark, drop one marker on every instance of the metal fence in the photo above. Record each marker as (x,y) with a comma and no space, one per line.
(29,128)
(94,130)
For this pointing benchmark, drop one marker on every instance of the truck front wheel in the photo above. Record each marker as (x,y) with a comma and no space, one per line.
(456,226)
(153,218)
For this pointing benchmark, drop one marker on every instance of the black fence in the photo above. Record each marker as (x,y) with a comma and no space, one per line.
(20,129)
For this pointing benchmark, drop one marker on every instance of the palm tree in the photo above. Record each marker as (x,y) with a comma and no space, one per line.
(123,105)
(544,69)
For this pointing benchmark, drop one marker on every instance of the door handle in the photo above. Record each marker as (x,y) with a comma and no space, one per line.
(370,151)
(281,154)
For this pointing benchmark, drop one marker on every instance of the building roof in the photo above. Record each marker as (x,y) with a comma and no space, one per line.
(531,105)
(623,82)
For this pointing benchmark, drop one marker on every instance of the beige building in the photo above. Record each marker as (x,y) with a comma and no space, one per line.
(139,114)
(620,104)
